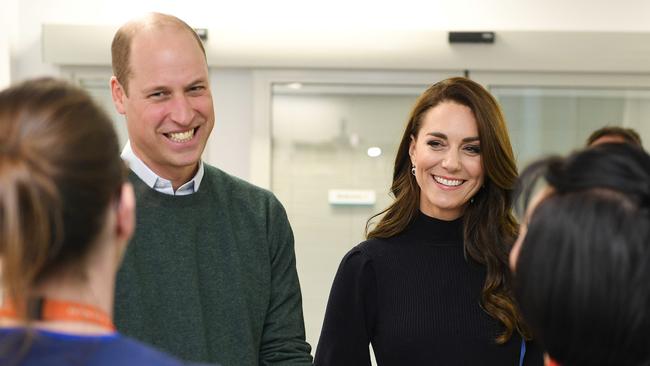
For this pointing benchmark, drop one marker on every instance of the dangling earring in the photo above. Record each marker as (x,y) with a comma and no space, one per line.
(413,169)
(471,200)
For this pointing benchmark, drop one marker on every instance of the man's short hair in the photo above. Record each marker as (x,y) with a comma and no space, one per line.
(628,134)
(121,46)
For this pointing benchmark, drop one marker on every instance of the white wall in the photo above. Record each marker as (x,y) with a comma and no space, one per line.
(233,89)
(336,15)
(5,54)
(320,143)
(8,27)
(229,146)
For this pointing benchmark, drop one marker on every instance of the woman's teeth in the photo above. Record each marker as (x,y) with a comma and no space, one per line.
(448,182)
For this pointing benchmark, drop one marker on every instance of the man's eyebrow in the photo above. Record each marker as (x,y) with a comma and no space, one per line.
(198,80)
(149,89)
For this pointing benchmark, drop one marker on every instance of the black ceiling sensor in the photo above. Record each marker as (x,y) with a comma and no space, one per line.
(202,33)
(471,37)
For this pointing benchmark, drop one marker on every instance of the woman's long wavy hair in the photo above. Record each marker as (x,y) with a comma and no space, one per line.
(489,225)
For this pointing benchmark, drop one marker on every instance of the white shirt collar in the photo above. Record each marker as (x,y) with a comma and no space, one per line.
(160,184)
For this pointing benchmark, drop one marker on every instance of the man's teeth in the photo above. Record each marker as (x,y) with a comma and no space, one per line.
(181,136)
(448,182)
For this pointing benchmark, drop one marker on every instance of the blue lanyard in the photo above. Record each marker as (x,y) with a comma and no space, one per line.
(522,353)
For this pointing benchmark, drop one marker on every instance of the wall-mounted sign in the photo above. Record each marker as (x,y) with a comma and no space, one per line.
(351,197)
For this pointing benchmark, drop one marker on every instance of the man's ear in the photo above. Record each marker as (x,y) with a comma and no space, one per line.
(125,214)
(119,94)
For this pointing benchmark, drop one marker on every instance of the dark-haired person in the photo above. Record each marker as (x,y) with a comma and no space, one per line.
(66,215)
(431,285)
(582,261)
(210,274)
(615,134)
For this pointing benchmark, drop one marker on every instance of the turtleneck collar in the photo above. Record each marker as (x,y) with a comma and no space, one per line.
(436,231)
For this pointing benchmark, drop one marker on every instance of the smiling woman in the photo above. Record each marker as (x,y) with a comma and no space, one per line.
(446,160)
(431,284)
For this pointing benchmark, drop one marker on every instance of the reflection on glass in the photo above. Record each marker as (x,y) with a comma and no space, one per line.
(343,138)
(322,138)
(544,121)
(99,89)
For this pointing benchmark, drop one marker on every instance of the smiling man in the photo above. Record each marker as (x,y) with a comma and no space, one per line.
(210,274)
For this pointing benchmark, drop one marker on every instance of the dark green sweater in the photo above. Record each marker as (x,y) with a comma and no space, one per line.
(211,277)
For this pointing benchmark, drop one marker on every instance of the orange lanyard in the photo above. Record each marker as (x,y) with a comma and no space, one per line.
(552,363)
(58,310)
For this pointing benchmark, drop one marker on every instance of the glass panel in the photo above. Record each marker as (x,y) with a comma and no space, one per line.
(545,121)
(99,89)
(323,172)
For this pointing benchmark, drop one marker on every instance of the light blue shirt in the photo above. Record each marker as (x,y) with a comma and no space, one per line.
(160,184)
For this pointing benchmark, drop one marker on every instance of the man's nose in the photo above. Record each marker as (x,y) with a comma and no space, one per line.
(182,111)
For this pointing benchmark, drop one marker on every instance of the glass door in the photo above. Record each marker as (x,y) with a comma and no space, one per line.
(555,113)
(333,145)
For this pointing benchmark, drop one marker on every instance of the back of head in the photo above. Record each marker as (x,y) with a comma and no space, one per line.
(59,171)
(121,45)
(583,269)
(614,134)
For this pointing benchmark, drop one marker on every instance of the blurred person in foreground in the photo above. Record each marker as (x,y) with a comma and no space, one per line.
(66,215)
(582,260)
(614,134)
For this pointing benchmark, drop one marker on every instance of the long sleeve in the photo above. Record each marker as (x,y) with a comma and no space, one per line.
(283,337)
(350,316)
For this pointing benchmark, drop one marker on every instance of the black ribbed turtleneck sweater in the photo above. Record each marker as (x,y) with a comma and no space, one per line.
(417,300)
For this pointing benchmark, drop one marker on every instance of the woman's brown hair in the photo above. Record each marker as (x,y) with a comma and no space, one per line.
(59,171)
(489,225)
